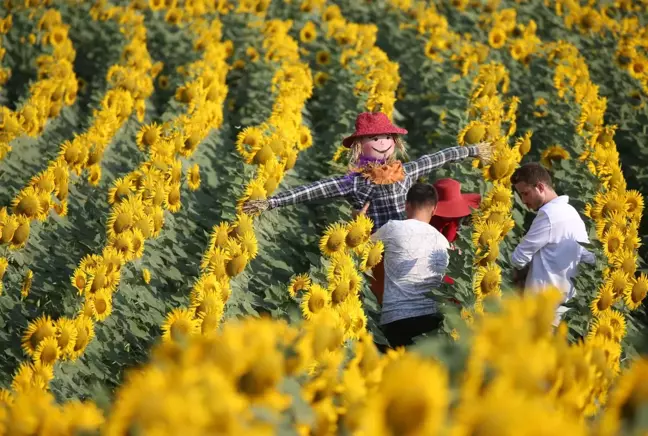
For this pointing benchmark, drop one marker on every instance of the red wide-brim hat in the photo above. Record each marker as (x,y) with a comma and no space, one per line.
(369,123)
(451,202)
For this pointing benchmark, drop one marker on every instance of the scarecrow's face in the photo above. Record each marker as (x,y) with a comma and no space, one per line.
(378,146)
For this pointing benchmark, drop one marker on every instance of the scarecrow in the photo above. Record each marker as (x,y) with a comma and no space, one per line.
(452,209)
(376,175)
(378,181)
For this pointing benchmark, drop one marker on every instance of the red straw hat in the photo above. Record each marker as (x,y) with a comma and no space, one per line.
(369,123)
(452,203)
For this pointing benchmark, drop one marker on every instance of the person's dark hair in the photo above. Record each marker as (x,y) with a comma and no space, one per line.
(532,173)
(422,195)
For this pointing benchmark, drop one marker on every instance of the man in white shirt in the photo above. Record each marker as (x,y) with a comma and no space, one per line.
(550,249)
(416,257)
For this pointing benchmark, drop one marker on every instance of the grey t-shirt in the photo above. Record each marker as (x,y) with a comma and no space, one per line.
(416,257)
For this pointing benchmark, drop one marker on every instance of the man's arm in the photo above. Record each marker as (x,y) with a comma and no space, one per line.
(425,164)
(322,189)
(536,238)
(587,256)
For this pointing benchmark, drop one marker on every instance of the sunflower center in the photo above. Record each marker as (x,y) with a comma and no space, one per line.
(499,169)
(316,303)
(123,222)
(28,206)
(209,323)
(406,414)
(49,354)
(180,329)
(639,291)
(489,282)
(41,333)
(236,265)
(475,134)
(340,292)
(605,301)
(101,305)
(335,241)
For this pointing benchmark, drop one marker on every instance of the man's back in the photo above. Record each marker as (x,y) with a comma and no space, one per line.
(416,258)
(553,245)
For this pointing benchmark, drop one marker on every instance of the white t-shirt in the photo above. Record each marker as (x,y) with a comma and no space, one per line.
(416,257)
(552,249)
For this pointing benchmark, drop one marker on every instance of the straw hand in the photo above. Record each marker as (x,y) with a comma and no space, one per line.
(255,207)
(485,151)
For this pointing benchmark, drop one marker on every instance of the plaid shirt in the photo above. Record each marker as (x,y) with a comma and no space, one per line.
(387,201)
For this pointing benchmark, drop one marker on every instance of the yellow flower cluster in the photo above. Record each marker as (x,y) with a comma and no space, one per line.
(616,211)
(519,376)
(56,86)
(131,84)
(138,202)
(492,221)
(273,146)
(521,38)
(5,26)
(340,296)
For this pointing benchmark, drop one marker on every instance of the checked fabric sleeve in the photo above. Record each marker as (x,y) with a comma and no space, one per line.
(322,189)
(425,164)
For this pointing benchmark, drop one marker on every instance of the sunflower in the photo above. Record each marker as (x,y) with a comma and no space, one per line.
(604,299)
(148,136)
(238,258)
(66,334)
(634,203)
(625,261)
(219,235)
(358,231)
(21,234)
(487,281)
(249,244)
(146,275)
(27,283)
(193,177)
(255,190)
(553,154)
(112,259)
(249,142)
(617,322)
(47,352)
(28,204)
(334,239)
(173,16)
(497,37)
(636,292)
(339,290)
(503,165)
(299,283)
(523,143)
(619,282)
(305,138)
(121,220)
(372,255)
(314,301)
(138,244)
(3,266)
(242,225)
(172,202)
(486,232)
(308,33)
(209,322)
(615,219)
(179,324)
(121,189)
(123,243)
(612,242)
(323,57)
(601,327)
(85,333)
(102,305)
(215,260)
(209,302)
(41,328)
(473,133)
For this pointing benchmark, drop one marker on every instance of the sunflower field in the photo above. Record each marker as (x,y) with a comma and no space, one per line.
(137,298)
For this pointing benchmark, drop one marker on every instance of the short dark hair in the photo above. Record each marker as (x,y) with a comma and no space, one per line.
(532,173)
(422,195)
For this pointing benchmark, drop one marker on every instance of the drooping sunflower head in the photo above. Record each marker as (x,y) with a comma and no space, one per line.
(193,177)
(66,335)
(249,142)
(625,261)
(602,327)
(219,235)
(242,225)
(209,302)
(238,259)
(358,231)
(148,136)
(28,204)
(85,333)
(48,351)
(334,239)
(523,143)
(553,154)
(372,255)
(121,189)
(473,133)
(634,203)
(615,219)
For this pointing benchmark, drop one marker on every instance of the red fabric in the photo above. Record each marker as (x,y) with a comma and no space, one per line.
(447,226)
(378,282)
(368,123)
(452,203)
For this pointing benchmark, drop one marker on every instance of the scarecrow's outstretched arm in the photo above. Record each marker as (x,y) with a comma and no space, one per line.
(322,189)
(425,164)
